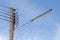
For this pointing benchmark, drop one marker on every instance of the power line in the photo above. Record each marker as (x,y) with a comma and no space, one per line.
(4,16)
(5,6)
(4,13)
(16,17)
(22,25)
(7,17)
(4,19)
(4,10)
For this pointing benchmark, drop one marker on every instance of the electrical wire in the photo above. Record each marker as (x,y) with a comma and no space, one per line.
(4,19)
(22,25)
(6,14)
(5,6)
(4,10)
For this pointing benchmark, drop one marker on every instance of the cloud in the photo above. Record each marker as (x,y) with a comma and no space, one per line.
(29,36)
(57,32)
(3,37)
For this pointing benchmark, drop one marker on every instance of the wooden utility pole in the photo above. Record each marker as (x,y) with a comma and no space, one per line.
(11,23)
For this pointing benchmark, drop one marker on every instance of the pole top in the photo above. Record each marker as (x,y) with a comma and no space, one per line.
(12,9)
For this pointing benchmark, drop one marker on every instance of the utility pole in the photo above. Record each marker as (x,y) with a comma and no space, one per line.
(12,23)
(14,20)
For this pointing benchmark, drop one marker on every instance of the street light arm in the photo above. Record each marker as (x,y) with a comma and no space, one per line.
(41,14)
(34,19)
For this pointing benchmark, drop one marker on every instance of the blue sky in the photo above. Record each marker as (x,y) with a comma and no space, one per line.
(44,28)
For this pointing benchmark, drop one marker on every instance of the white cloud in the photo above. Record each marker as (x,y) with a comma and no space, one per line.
(57,32)
(3,37)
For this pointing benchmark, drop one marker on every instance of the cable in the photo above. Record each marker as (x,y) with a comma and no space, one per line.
(22,25)
(10,15)
(4,16)
(6,13)
(5,6)
(4,10)
(4,19)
